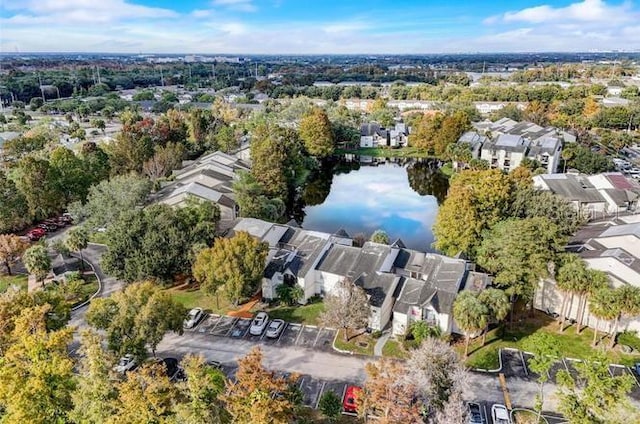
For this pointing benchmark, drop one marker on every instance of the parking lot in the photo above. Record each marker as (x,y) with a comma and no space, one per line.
(293,334)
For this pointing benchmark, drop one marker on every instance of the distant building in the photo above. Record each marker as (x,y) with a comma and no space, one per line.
(504,144)
(210,178)
(373,135)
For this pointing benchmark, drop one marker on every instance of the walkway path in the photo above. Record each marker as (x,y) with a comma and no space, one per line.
(377,349)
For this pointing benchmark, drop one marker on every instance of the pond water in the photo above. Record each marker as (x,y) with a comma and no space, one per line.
(400,197)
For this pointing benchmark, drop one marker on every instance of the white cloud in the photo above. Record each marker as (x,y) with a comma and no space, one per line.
(239,5)
(584,11)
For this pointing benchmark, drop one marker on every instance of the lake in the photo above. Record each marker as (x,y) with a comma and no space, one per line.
(361,195)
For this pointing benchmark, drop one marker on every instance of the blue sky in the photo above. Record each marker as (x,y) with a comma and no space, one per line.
(317,26)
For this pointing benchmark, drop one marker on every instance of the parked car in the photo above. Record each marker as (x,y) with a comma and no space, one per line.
(349,403)
(275,328)
(48,227)
(500,414)
(475,414)
(214,364)
(127,363)
(193,318)
(174,371)
(36,234)
(259,323)
(636,368)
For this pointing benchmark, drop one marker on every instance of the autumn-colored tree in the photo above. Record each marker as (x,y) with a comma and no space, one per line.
(200,393)
(136,317)
(11,248)
(388,394)
(346,307)
(94,396)
(258,396)
(273,153)
(36,371)
(145,396)
(316,133)
(477,198)
(380,236)
(164,160)
(235,265)
(470,314)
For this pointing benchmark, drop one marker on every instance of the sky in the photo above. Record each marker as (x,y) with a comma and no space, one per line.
(318,26)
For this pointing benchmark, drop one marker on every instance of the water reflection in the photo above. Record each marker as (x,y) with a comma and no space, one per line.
(363,194)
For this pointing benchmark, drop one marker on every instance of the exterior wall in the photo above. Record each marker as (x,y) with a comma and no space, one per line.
(514,159)
(226,213)
(375,321)
(326,281)
(269,286)
(386,310)
(366,141)
(400,324)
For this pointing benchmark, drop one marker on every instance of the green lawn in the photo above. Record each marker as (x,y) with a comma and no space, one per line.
(570,344)
(394,349)
(7,281)
(304,314)
(195,298)
(362,344)
(382,152)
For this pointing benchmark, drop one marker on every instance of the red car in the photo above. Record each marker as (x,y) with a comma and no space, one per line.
(36,234)
(349,403)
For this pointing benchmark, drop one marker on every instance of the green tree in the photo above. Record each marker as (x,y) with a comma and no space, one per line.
(36,371)
(497,304)
(77,240)
(237,264)
(109,199)
(315,132)
(601,398)
(627,305)
(256,395)
(37,261)
(570,277)
(95,162)
(137,317)
(602,305)
(331,406)
(253,201)
(544,347)
(595,280)
(71,182)
(94,396)
(14,209)
(11,248)
(380,236)
(39,183)
(226,138)
(289,294)
(518,251)
(470,314)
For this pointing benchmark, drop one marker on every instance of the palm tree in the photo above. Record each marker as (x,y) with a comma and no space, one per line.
(570,279)
(470,315)
(602,305)
(497,304)
(627,305)
(596,280)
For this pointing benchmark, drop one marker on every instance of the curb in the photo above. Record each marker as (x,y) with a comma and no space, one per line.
(499,361)
(333,345)
(528,410)
(93,296)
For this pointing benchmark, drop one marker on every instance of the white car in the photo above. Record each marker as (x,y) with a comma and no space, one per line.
(126,363)
(275,328)
(194,316)
(259,323)
(500,414)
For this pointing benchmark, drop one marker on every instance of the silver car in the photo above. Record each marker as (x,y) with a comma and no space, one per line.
(275,328)
(194,316)
(259,323)
(127,363)
(500,414)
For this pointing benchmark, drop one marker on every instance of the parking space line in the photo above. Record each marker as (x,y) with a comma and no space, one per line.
(265,330)
(633,375)
(286,324)
(566,367)
(299,334)
(486,416)
(610,372)
(324,383)
(524,363)
(217,322)
(317,337)
(233,324)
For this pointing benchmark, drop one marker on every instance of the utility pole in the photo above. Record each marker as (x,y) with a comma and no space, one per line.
(161,77)
(41,89)
(98,71)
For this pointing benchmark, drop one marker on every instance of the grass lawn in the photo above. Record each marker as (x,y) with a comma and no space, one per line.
(447,169)
(394,349)
(303,314)
(570,344)
(381,152)
(7,281)
(195,298)
(526,417)
(362,344)
(89,287)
